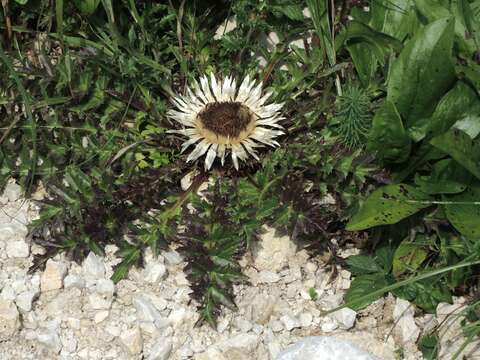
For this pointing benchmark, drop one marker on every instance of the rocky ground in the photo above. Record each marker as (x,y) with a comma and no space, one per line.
(75,312)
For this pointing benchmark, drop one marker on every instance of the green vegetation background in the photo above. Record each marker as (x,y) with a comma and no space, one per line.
(383,115)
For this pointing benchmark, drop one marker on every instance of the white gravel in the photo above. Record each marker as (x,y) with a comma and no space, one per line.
(76,312)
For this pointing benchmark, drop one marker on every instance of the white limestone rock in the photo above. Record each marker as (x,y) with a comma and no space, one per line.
(260,308)
(172,257)
(102,296)
(379,348)
(69,342)
(101,316)
(243,325)
(323,347)
(93,267)
(181,315)
(12,232)
(345,318)
(274,348)
(290,322)
(12,191)
(329,325)
(19,284)
(113,330)
(145,309)
(273,252)
(9,320)
(17,249)
(52,277)
(73,323)
(7,293)
(267,277)
(244,341)
(161,350)
(48,336)
(99,301)
(154,272)
(25,299)
(332,301)
(105,286)
(276,326)
(159,303)
(132,340)
(403,314)
(73,281)
(227,26)
(211,353)
(148,328)
(185,352)
(305,319)
(310,267)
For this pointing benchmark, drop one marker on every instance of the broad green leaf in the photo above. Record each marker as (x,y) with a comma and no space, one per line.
(388,137)
(409,256)
(460,105)
(429,346)
(432,10)
(384,257)
(364,285)
(422,155)
(292,11)
(469,125)
(425,294)
(108,6)
(465,216)
(321,22)
(423,72)
(87,7)
(460,147)
(468,13)
(447,177)
(395,18)
(362,41)
(381,43)
(388,205)
(469,72)
(361,264)
(364,62)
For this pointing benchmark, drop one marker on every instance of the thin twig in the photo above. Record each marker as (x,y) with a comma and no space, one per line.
(179,25)
(8,20)
(332,27)
(9,129)
(247,43)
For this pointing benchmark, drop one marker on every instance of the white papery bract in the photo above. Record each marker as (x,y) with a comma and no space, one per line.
(220,118)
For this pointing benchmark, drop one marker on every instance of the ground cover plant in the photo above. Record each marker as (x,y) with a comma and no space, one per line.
(381,112)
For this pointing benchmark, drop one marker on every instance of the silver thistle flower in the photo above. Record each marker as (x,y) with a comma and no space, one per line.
(220,118)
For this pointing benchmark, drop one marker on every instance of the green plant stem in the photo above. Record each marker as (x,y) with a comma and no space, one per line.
(170,212)
(399,284)
(426,202)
